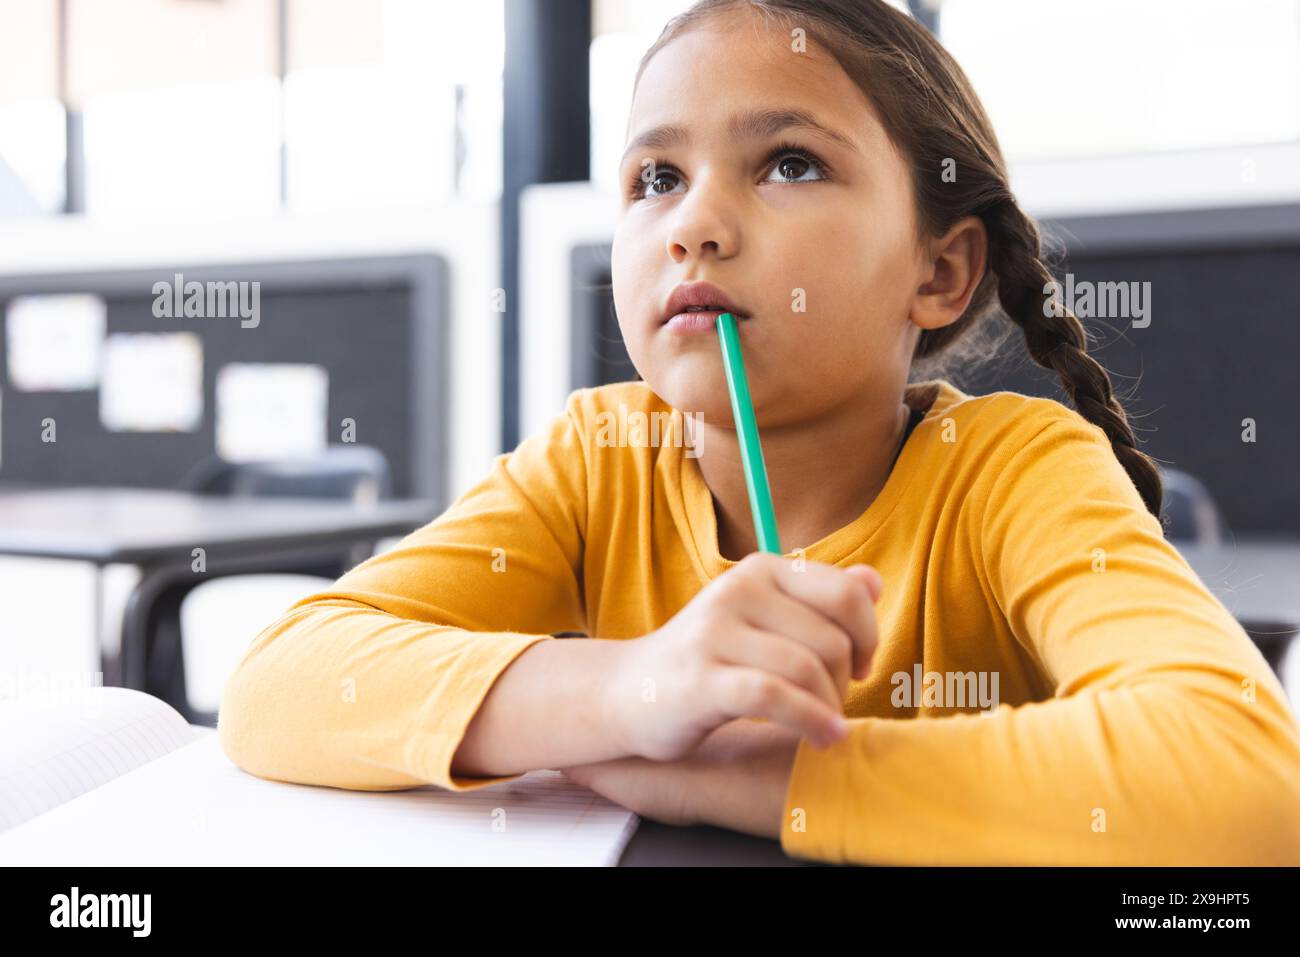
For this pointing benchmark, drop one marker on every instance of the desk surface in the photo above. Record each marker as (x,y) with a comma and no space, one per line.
(661,845)
(137,525)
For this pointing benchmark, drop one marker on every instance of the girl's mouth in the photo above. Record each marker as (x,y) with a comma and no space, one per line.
(695,321)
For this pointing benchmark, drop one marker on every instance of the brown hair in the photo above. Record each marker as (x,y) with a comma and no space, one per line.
(930,111)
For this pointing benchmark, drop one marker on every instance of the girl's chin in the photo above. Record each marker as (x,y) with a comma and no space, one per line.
(696,394)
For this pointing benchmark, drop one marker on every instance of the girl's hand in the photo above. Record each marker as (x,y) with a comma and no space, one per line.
(766,639)
(737,778)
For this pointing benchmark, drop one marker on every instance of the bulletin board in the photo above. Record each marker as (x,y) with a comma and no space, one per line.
(377,326)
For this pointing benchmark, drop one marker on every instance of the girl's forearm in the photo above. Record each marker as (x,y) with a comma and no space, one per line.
(548,709)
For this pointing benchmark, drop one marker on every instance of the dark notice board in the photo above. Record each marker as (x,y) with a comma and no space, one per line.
(377,326)
(1223,345)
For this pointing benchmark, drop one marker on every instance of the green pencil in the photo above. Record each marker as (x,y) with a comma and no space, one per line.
(751,450)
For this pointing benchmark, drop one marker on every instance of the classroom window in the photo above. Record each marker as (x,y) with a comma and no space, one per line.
(1070,78)
(31,115)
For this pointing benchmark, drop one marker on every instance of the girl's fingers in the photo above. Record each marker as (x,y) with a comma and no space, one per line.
(751,693)
(773,652)
(875,581)
(847,599)
(773,611)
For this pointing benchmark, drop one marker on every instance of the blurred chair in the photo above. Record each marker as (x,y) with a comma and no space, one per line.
(1289,672)
(1191,517)
(219,619)
(220,616)
(1189,513)
(359,473)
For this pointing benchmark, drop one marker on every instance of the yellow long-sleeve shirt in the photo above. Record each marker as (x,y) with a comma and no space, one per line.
(1114,712)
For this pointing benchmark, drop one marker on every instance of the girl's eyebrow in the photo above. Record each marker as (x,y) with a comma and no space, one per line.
(751,125)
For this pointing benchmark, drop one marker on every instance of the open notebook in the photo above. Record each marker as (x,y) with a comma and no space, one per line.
(109,776)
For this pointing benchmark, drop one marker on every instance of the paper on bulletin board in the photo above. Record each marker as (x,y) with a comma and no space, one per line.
(152,382)
(271,411)
(53,342)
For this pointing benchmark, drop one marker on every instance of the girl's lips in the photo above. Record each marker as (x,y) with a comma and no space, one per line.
(693,323)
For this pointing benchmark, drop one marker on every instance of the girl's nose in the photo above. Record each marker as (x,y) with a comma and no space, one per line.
(704,225)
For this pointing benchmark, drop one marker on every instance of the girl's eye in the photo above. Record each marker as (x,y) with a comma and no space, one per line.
(796,163)
(791,161)
(647,180)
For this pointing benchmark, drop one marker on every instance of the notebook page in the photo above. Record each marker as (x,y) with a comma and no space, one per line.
(61,745)
(195,807)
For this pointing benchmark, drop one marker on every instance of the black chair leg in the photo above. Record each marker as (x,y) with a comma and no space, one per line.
(165,677)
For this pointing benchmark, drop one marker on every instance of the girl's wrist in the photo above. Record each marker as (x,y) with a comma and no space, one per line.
(742,773)
(611,698)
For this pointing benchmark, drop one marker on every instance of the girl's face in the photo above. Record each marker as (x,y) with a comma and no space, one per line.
(780,187)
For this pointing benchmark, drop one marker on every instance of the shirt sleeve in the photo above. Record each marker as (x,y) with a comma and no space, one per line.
(371,683)
(1168,739)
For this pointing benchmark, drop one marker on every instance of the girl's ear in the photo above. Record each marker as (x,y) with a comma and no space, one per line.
(953,268)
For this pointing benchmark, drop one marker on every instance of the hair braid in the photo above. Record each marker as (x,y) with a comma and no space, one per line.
(1057,340)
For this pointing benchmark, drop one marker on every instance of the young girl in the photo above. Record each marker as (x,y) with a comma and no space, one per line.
(980,585)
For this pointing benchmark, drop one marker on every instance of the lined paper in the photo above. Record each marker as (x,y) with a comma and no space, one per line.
(194,807)
(61,745)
